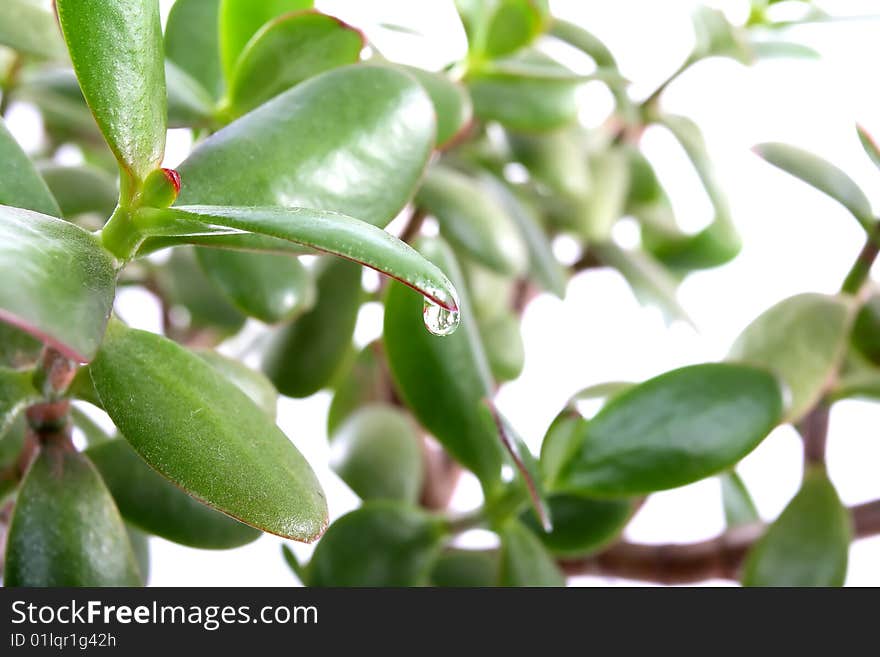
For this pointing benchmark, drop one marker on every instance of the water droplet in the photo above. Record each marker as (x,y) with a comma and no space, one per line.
(438,320)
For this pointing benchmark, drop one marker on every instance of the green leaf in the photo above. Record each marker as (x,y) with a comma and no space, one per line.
(185,286)
(205,435)
(779,48)
(802,339)
(364,382)
(472,220)
(303,357)
(808,544)
(140,546)
(189,105)
(288,50)
(673,430)
(18,350)
(30,28)
(561,440)
(866,329)
(579,38)
(16,392)
(152,503)
(739,508)
(250,382)
(353,140)
(443,380)
(55,91)
(526,101)
(380,544)
(65,529)
(717,36)
(192,42)
(543,266)
(502,340)
(822,175)
(58,283)
(11,445)
(605,205)
(581,525)
(81,189)
(524,559)
(870,146)
(466,568)
(452,104)
(240,20)
(378,453)
(116,49)
(557,160)
(21,185)
(499,27)
(271,288)
(329,232)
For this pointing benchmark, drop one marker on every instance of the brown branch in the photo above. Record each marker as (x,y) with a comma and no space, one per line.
(814,432)
(684,563)
(413,226)
(441,476)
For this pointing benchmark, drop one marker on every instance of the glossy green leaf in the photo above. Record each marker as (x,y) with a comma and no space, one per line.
(271,288)
(526,102)
(189,105)
(187,289)
(675,429)
(21,185)
(81,189)
(192,42)
(140,546)
(16,392)
(822,175)
(293,563)
(380,544)
(466,568)
(452,104)
(241,19)
(605,205)
(872,150)
(154,504)
(557,160)
(802,339)
(329,232)
(866,329)
(303,357)
(18,349)
(524,559)
(58,283)
(378,453)
(503,343)
(210,439)
(30,28)
(288,50)
(443,380)
(808,545)
(562,438)
(472,220)
(365,381)
(543,266)
(65,529)
(739,508)
(353,140)
(499,27)
(250,382)
(581,525)
(116,49)
(491,293)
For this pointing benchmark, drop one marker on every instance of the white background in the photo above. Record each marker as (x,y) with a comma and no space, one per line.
(795,240)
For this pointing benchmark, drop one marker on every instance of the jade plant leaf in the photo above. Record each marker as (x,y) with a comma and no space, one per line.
(192,42)
(210,439)
(65,529)
(378,453)
(802,339)
(116,49)
(303,357)
(585,41)
(81,189)
(866,329)
(241,19)
(672,430)
(31,29)
(499,27)
(140,546)
(502,340)
(466,568)
(380,544)
(16,392)
(271,288)
(739,508)
(872,150)
(152,503)
(524,559)
(58,282)
(353,140)
(808,545)
(362,382)
(288,50)
(452,104)
(443,379)
(18,349)
(250,382)
(472,220)
(822,175)
(21,185)
(189,105)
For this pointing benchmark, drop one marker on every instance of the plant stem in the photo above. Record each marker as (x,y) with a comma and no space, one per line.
(814,433)
(861,269)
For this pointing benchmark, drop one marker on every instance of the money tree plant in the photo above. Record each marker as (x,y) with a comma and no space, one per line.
(307,144)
